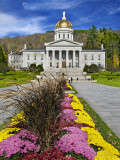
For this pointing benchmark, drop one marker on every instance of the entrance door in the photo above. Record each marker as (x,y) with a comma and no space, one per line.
(63,64)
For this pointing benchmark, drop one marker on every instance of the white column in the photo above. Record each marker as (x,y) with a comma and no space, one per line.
(74,59)
(53,59)
(67,59)
(60,59)
(47,58)
(79,59)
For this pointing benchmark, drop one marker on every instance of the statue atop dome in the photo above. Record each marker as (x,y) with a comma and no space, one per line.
(64,18)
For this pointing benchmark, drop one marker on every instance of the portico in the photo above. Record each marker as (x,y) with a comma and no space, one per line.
(62,58)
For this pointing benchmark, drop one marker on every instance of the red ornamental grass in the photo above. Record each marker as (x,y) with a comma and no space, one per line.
(49,154)
(60,125)
(66,87)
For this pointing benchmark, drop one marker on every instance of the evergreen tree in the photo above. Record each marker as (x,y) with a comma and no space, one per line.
(3,56)
(93,33)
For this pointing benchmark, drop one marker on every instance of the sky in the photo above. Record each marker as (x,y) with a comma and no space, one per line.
(25,17)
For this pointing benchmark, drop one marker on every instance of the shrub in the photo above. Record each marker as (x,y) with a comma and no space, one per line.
(40,68)
(4,68)
(86,68)
(32,67)
(93,68)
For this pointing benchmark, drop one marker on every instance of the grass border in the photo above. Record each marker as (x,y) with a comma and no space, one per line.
(107,134)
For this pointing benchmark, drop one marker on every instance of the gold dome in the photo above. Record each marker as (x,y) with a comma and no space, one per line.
(63,24)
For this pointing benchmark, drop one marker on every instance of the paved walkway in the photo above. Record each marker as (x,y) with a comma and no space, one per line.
(4,115)
(105,100)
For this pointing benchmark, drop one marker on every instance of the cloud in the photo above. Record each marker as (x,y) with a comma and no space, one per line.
(85,20)
(12,24)
(52,4)
(115,11)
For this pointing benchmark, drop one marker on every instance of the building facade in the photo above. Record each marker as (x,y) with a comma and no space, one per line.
(63,52)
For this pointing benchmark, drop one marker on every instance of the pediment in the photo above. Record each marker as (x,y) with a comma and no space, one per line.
(63,43)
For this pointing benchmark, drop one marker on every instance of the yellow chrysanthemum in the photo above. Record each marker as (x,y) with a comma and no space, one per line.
(95,138)
(4,134)
(18,118)
(68,85)
(75,99)
(83,117)
(105,155)
(77,105)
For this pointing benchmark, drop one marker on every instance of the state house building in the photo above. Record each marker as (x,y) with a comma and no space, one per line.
(63,52)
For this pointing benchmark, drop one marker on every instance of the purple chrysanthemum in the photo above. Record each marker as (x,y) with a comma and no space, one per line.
(76,140)
(21,142)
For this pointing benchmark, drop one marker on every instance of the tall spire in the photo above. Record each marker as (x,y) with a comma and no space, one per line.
(64,18)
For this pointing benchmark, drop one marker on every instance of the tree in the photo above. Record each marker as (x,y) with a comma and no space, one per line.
(3,56)
(32,67)
(86,68)
(93,68)
(42,40)
(30,46)
(40,68)
(4,68)
(100,38)
(92,37)
(115,61)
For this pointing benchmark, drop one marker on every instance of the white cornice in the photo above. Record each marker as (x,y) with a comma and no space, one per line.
(61,40)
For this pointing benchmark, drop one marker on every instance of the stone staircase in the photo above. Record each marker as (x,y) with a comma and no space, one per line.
(68,73)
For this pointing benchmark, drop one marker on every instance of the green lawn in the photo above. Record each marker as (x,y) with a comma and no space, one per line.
(20,77)
(107,79)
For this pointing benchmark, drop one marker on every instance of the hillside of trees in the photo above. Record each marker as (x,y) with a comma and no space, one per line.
(91,39)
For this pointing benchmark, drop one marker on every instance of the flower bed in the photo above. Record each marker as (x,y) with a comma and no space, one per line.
(76,137)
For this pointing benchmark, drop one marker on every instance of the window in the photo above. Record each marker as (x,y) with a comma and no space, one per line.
(68,35)
(57,65)
(99,57)
(69,65)
(34,57)
(92,57)
(28,64)
(63,35)
(50,64)
(41,64)
(59,35)
(85,57)
(99,65)
(76,64)
(28,57)
(41,56)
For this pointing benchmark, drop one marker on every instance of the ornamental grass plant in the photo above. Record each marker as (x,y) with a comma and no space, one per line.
(40,105)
